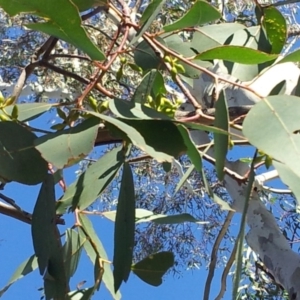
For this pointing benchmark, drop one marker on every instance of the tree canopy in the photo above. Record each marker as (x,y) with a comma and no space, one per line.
(158,104)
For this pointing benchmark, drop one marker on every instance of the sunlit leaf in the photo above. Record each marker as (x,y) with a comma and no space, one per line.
(28,266)
(276,28)
(124,228)
(90,184)
(19,160)
(237,54)
(200,13)
(63,23)
(66,147)
(152,268)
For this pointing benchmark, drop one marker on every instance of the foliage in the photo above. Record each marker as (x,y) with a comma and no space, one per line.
(110,74)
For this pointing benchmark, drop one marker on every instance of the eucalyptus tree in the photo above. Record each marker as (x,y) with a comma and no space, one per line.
(170,87)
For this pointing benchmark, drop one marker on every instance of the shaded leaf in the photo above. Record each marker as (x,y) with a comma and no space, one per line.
(63,23)
(83,5)
(89,231)
(221,141)
(72,251)
(84,294)
(145,57)
(276,28)
(28,266)
(200,13)
(90,184)
(124,228)
(67,147)
(152,268)
(237,54)
(18,159)
(45,243)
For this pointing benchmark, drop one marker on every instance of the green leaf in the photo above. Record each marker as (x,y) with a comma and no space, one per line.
(67,147)
(29,111)
(237,54)
(130,110)
(90,184)
(276,28)
(292,57)
(148,16)
(124,229)
(184,178)
(18,159)
(63,23)
(143,215)
(145,57)
(161,139)
(152,268)
(72,251)
(272,126)
(152,83)
(221,141)
(200,13)
(45,243)
(84,294)
(24,268)
(100,251)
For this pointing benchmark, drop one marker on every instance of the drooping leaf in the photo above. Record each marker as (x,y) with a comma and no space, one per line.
(130,110)
(221,141)
(276,28)
(66,147)
(145,57)
(124,229)
(148,16)
(29,111)
(90,184)
(94,238)
(45,243)
(183,179)
(152,268)
(272,126)
(63,23)
(28,266)
(159,138)
(200,13)
(72,251)
(19,160)
(237,54)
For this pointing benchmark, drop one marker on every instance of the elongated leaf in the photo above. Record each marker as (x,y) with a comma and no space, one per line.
(221,141)
(45,243)
(90,184)
(66,147)
(159,138)
(28,266)
(192,150)
(19,160)
(276,28)
(63,23)
(72,251)
(200,13)
(124,229)
(143,215)
(152,268)
(130,110)
(237,54)
(29,111)
(94,238)
(291,57)
(148,16)
(272,126)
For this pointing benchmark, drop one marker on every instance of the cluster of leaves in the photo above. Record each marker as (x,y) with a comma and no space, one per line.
(142,63)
